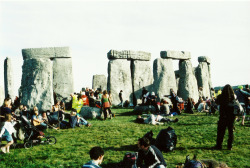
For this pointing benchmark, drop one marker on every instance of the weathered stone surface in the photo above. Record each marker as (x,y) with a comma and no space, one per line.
(204,59)
(129,54)
(8,79)
(210,78)
(91,112)
(37,85)
(63,84)
(119,78)
(187,84)
(99,82)
(142,76)
(176,54)
(1,95)
(164,77)
(144,109)
(203,77)
(52,52)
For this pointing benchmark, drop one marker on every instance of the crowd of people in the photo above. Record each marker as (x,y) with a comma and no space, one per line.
(148,155)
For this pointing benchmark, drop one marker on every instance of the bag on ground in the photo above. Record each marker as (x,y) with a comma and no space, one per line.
(129,160)
(166,140)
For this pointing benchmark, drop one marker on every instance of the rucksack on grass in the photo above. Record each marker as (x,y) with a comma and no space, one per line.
(166,140)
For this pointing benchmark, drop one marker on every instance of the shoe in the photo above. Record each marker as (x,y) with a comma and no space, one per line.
(88,125)
(3,149)
(110,116)
(176,120)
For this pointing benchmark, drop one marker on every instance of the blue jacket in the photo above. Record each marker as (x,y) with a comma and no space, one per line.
(242,96)
(91,164)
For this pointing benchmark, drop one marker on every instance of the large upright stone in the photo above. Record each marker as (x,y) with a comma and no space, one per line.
(37,85)
(179,55)
(99,82)
(142,76)
(8,79)
(63,84)
(129,54)
(203,78)
(187,83)
(119,78)
(1,95)
(164,77)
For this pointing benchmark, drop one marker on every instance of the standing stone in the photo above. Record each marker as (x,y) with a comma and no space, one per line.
(164,77)
(187,83)
(37,85)
(99,82)
(203,78)
(63,84)
(119,78)
(141,77)
(1,95)
(8,79)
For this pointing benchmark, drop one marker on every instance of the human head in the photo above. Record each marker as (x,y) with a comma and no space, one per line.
(240,87)
(246,86)
(20,107)
(105,92)
(36,112)
(97,154)
(228,93)
(7,102)
(153,93)
(143,143)
(35,108)
(121,91)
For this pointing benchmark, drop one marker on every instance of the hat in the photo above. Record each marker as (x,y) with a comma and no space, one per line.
(153,93)
(240,87)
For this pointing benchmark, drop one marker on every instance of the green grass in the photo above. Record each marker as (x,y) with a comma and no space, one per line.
(196,135)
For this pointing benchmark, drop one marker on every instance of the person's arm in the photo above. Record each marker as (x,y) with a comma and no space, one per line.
(245,93)
(2,131)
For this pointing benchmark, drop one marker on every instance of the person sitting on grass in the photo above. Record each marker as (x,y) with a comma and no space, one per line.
(96,156)
(164,108)
(37,120)
(75,120)
(154,119)
(6,133)
(149,156)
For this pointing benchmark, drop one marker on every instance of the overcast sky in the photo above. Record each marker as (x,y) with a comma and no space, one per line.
(217,29)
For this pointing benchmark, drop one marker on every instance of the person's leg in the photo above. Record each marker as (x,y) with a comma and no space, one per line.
(220,133)
(7,146)
(105,113)
(230,134)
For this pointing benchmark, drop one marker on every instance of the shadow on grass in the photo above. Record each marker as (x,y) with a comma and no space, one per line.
(129,113)
(113,165)
(122,148)
(196,123)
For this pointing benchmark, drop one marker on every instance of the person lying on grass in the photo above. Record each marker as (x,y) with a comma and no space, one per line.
(96,156)
(154,119)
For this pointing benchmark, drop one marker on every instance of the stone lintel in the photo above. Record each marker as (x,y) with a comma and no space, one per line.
(51,52)
(129,55)
(179,55)
(204,59)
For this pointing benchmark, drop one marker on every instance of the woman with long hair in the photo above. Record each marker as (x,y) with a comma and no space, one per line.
(227,117)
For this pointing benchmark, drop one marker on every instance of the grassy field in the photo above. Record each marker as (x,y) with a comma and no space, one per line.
(196,135)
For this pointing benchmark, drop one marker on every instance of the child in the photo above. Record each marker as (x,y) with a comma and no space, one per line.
(6,133)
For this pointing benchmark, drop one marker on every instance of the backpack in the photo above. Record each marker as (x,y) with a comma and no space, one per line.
(166,140)
(129,159)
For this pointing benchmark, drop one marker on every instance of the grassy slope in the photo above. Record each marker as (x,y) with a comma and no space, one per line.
(196,135)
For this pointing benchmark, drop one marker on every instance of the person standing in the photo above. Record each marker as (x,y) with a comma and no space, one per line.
(243,96)
(149,155)
(106,105)
(121,99)
(227,117)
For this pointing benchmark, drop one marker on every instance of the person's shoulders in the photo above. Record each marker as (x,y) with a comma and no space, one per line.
(90,164)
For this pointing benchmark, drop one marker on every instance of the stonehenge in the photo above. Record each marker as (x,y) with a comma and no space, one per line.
(99,82)
(8,79)
(1,95)
(46,75)
(130,71)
